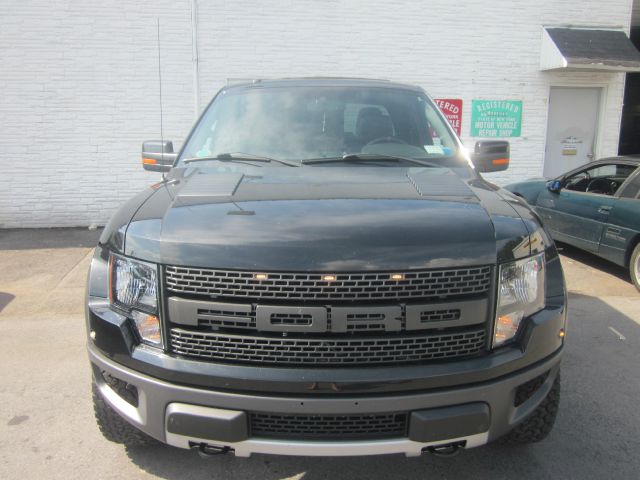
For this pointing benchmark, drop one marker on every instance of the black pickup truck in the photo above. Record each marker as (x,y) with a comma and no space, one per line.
(323,271)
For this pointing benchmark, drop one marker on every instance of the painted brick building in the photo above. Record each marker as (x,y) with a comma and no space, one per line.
(79,80)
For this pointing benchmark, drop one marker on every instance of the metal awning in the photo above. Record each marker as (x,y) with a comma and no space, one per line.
(588,49)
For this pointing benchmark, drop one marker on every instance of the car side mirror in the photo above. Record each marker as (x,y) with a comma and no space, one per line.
(491,156)
(158,156)
(554,186)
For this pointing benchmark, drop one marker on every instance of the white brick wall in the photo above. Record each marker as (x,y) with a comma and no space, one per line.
(79,91)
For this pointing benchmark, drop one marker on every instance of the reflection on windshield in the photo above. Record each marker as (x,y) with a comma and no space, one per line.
(297,123)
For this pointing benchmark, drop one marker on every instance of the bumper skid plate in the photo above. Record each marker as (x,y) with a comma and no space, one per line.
(187,425)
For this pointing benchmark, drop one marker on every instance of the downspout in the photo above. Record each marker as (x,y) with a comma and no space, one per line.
(194,58)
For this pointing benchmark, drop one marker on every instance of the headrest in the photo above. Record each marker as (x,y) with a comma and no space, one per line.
(372,124)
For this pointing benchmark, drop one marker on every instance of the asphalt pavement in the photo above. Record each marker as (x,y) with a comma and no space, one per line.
(47,428)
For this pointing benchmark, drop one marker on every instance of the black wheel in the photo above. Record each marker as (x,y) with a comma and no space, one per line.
(539,424)
(634,266)
(115,428)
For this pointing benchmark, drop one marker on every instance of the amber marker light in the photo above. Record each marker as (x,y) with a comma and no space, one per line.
(111,260)
(148,327)
(506,327)
(328,278)
(261,276)
(396,276)
(149,161)
(562,333)
(501,161)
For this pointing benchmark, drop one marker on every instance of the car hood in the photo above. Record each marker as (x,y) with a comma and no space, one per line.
(528,189)
(326,219)
(529,181)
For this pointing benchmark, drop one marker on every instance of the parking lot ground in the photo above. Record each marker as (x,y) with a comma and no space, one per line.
(47,428)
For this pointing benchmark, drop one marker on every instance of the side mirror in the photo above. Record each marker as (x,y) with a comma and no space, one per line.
(491,156)
(554,186)
(158,156)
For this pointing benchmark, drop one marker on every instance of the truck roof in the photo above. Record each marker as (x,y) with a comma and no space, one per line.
(321,82)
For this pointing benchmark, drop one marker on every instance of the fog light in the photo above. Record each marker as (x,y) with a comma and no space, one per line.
(507,326)
(148,327)
(127,391)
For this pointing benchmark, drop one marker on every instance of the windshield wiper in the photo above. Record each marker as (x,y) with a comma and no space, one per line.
(373,157)
(231,157)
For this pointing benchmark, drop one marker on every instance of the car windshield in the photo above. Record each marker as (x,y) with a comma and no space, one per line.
(303,123)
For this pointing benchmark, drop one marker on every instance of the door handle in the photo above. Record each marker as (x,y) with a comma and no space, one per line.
(605,209)
(589,155)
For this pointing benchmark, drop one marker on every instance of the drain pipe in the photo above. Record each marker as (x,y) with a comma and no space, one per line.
(194,58)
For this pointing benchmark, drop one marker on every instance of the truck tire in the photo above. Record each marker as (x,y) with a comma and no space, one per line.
(115,428)
(539,424)
(634,266)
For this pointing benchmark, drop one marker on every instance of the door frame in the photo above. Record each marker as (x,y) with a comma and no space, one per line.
(602,108)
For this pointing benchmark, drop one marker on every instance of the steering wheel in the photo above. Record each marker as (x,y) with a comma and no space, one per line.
(574,182)
(600,185)
(375,141)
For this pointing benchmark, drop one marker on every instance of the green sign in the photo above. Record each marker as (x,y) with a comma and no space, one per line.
(496,118)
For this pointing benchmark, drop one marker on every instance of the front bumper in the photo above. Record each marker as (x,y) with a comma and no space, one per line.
(467,415)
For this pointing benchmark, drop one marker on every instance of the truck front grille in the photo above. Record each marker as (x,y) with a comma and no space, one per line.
(329,427)
(345,351)
(318,319)
(343,286)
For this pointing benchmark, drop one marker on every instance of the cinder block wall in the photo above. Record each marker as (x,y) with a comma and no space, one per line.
(79,87)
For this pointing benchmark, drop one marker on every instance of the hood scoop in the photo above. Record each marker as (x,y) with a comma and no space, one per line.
(439,182)
(198,188)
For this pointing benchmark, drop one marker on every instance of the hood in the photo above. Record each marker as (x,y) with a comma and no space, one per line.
(528,189)
(326,219)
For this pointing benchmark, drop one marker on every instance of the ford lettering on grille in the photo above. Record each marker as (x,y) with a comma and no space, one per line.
(321,319)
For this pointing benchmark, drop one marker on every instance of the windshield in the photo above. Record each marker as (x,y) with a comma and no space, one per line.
(302,123)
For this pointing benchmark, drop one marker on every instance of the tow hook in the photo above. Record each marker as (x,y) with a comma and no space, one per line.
(447,450)
(207,451)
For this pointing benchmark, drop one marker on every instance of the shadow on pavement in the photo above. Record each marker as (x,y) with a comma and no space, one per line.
(37,238)
(5,299)
(596,434)
(593,261)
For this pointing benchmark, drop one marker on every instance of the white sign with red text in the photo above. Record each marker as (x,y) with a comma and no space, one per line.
(452,109)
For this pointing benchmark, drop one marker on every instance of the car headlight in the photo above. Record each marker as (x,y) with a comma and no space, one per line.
(520,294)
(134,289)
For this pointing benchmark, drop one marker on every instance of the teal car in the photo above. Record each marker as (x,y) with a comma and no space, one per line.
(595,207)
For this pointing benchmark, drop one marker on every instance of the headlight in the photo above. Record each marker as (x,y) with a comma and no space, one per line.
(520,294)
(133,284)
(134,289)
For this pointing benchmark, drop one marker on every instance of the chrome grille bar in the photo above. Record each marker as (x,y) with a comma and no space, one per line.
(342,286)
(274,350)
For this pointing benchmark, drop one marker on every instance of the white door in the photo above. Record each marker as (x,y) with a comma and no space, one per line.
(571,128)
